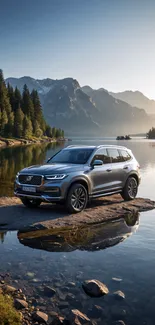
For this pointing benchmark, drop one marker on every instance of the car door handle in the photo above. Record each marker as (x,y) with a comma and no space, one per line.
(125,167)
(109,170)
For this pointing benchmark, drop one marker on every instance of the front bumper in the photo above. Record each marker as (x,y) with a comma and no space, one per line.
(48,192)
(42,197)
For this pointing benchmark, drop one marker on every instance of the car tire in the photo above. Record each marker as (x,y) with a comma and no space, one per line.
(31,203)
(130,189)
(77,198)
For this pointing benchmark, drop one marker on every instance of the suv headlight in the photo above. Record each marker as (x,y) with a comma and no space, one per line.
(55,177)
(17,177)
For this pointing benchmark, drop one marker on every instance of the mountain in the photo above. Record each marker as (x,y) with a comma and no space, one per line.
(84,110)
(136,98)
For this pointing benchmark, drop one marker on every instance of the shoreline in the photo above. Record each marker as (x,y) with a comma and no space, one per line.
(18,142)
(14,216)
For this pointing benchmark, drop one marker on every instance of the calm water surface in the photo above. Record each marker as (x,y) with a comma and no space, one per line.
(125,249)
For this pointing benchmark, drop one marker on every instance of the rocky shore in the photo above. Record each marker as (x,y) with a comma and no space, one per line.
(16,142)
(14,216)
(56,307)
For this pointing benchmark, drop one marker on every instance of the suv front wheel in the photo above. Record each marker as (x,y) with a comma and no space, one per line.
(130,189)
(30,203)
(77,198)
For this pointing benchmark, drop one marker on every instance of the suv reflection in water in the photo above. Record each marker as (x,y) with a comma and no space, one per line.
(92,238)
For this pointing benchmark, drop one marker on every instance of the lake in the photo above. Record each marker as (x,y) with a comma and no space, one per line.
(124,249)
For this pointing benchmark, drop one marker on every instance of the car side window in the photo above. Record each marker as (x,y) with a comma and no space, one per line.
(114,155)
(125,155)
(101,154)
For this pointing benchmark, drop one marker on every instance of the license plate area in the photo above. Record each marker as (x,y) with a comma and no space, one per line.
(29,189)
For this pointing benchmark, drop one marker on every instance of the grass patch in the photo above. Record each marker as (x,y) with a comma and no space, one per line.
(8,314)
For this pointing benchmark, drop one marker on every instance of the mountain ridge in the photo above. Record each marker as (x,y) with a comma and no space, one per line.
(136,98)
(83,110)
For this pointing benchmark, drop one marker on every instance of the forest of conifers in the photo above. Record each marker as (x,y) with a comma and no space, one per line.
(21,114)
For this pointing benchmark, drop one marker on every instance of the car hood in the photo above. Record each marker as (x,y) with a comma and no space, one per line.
(53,168)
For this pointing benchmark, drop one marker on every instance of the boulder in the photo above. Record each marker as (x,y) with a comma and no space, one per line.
(20,304)
(95,288)
(77,318)
(40,317)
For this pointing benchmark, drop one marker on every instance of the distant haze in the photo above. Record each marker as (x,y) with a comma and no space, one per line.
(102,43)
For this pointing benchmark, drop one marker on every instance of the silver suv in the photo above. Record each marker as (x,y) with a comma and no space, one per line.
(77,174)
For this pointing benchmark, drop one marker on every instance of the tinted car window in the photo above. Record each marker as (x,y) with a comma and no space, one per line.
(125,155)
(102,154)
(71,156)
(114,155)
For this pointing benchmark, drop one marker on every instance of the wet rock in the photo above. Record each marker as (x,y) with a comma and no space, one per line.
(39,316)
(119,322)
(71,284)
(95,288)
(119,295)
(30,274)
(117,280)
(117,313)
(20,304)
(49,291)
(58,320)
(53,314)
(63,305)
(77,318)
(95,312)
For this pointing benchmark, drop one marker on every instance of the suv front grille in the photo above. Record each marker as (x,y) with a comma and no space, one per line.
(30,179)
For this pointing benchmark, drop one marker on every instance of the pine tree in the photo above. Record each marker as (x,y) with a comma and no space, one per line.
(17,99)
(38,115)
(27,104)
(9,127)
(18,123)
(53,132)
(3,122)
(11,95)
(5,107)
(37,130)
(27,127)
(48,131)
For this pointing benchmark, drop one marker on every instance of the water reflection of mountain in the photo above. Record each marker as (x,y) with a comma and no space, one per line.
(92,238)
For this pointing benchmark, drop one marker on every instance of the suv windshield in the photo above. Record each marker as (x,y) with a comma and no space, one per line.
(72,156)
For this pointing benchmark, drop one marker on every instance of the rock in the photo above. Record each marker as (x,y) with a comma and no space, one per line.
(30,274)
(71,284)
(95,288)
(9,289)
(119,295)
(77,318)
(58,320)
(119,322)
(49,291)
(63,305)
(39,316)
(116,279)
(95,312)
(53,313)
(20,304)
(117,313)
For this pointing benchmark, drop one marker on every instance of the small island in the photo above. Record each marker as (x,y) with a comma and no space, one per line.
(122,137)
(21,117)
(151,134)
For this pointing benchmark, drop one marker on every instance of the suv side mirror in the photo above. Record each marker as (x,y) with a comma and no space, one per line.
(97,162)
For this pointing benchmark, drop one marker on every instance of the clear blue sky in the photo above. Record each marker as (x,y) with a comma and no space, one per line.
(103,43)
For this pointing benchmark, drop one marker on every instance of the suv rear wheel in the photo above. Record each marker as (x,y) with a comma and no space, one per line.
(77,198)
(31,203)
(130,190)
